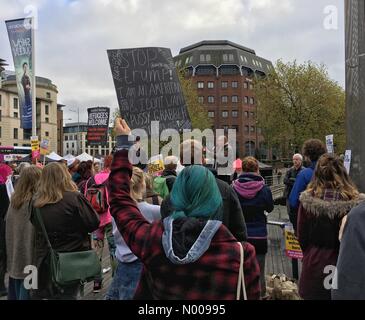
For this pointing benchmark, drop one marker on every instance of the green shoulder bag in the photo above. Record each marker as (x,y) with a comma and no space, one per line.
(70,268)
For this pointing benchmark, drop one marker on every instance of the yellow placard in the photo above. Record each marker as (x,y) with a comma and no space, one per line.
(156,165)
(292,246)
(34,142)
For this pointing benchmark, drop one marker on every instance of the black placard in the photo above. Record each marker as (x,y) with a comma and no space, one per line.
(98,124)
(148,88)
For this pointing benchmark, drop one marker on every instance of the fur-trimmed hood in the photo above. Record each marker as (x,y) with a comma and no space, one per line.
(331,209)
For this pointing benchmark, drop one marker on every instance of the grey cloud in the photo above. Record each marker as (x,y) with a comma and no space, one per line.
(73,36)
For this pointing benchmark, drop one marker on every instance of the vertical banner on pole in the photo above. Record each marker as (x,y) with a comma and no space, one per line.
(329,143)
(20,33)
(347,161)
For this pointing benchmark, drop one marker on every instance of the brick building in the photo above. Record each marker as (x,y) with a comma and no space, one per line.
(223,74)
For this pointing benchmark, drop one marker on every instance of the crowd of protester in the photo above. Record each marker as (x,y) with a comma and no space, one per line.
(180,234)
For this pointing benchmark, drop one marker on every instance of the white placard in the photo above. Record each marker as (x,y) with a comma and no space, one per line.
(347,160)
(329,143)
(9,187)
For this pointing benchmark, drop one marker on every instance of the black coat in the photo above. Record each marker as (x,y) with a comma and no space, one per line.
(170,176)
(289,180)
(232,213)
(68,224)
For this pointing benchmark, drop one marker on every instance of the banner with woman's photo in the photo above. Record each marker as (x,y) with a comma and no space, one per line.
(21,42)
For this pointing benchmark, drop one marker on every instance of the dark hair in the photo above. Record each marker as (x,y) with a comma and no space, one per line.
(313,149)
(25,63)
(85,169)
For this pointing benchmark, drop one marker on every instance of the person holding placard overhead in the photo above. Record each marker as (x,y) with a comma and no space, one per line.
(189,255)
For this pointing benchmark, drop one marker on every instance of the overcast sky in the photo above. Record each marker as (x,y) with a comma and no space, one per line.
(73,36)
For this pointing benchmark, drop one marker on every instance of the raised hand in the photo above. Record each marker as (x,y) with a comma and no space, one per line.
(121,127)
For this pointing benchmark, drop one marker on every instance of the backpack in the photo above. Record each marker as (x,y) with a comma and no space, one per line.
(160,187)
(97,195)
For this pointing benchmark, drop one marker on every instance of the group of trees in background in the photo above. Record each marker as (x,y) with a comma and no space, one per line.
(297,102)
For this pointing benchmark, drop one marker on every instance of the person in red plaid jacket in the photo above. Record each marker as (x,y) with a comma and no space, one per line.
(190,255)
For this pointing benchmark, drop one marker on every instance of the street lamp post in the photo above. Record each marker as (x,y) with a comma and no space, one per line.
(78,129)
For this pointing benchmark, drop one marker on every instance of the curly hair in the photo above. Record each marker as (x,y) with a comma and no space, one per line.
(313,149)
(330,173)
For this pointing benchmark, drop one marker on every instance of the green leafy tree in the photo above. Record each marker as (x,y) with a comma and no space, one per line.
(297,102)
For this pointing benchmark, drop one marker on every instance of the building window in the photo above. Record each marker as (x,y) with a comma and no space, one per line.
(246,114)
(200,84)
(15,133)
(211,114)
(225,57)
(66,138)
(234,99)
(234,84)
(0,132)
(15,144)
(47,134)
(224,114)
(210,99)
(252,100)
(208,58)
(252,114)
(235,127)
(15,114)
(235,114)
(202,58)
(251,86)
(224,84)
(245,100)
(252,129)
(246,128)
(201,99)
(46,109)
(245,85)
(47,120)
(230,57)
(27,134)
(15,103)
(73,145)
(67,145)
(0,115)
(0,100)
(224,99)
(48,95)
(210,85)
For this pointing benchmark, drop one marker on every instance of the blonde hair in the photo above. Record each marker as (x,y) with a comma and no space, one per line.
(330,173)
(26,186)
(137,181)
(55,181)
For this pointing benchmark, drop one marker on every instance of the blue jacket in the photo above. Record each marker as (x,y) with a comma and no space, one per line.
(301,183)
(255,198)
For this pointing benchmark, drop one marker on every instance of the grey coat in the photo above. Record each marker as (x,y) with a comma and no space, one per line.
(20,238)
(351,260)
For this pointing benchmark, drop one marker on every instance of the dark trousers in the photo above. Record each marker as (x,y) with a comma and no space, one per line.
(293,217)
